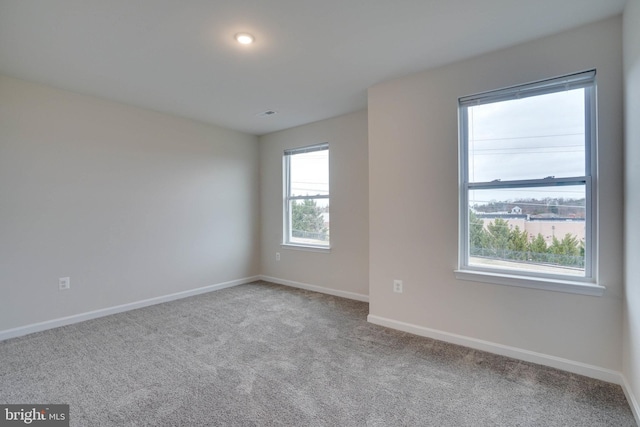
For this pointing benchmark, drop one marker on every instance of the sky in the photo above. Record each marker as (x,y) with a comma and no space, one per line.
(310,175)
(528,138)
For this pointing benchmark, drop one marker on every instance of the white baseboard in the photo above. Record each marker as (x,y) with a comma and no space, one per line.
(76,318)
(315,288)
(631,398)
(503,350)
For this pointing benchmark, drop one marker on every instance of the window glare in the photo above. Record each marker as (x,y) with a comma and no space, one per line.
(528,138)
(310,173)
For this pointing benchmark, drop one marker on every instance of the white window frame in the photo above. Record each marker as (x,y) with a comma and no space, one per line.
(286,235)
(587,285)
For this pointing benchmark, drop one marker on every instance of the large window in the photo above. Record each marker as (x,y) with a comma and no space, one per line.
(527,172)
(306,201)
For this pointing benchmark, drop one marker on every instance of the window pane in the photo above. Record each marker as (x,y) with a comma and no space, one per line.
(528,138)
(309,222)
(535,229)
(309,173)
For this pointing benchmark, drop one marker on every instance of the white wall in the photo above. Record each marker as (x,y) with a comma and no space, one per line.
(631,363)
(413,207)
(345,268)
(131,204)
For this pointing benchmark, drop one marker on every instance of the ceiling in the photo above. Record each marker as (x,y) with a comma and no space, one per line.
(311,60)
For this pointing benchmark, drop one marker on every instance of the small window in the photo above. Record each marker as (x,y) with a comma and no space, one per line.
(306,202)
(527,171)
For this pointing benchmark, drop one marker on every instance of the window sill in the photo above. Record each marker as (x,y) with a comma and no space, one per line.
(321,249)
(567,286)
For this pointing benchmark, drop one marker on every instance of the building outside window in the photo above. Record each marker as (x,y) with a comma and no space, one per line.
(306,201)
(527,180)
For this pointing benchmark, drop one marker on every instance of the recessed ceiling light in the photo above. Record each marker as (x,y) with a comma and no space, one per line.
(244,38)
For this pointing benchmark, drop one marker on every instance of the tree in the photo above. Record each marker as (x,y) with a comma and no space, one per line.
(307,216)
(566,251)
(538,249)
(538,245)
(569,245)
(518,243)
(477,233)
(502,241)
(498,235)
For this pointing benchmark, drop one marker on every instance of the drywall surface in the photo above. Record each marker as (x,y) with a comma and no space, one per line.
(631,362)
(130,204)
(413,204)
(345,267)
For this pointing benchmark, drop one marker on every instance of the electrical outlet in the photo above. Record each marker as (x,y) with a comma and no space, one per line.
(277,256)
(64,283)
(397,286)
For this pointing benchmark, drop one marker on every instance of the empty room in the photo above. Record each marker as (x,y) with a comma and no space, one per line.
(371,213)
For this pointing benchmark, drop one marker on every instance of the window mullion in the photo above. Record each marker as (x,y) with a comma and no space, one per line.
(546,182)
(318,196)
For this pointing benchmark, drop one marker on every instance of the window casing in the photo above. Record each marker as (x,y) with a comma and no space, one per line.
(306,197)
(527,184)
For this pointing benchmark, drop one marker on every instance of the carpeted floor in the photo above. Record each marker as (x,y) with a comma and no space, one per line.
(264,354)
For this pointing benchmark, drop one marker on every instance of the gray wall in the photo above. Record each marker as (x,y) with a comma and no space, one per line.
(131,204)
(631,363)
(413,209)
(345,268)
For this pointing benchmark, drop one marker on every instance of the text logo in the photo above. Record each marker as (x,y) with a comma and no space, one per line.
(34,415)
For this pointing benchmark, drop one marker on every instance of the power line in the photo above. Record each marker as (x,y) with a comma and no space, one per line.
(529,147)
(528,137)
(506,151)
